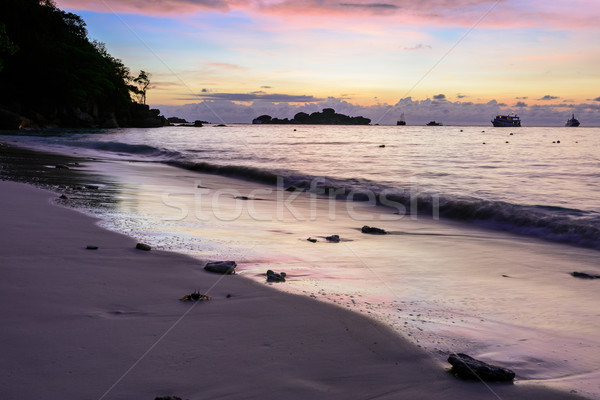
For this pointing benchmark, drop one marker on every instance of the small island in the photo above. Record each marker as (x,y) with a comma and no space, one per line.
(327,117)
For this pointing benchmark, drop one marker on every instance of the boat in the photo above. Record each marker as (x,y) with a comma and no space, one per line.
(401,121)
(573,121)
(433,123)
(511,120)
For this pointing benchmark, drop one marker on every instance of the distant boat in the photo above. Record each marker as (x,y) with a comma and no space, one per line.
(433,123)
(573,121)
(511,120)
(402,121)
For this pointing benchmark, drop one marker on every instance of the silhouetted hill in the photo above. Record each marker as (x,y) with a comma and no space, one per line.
(51,74)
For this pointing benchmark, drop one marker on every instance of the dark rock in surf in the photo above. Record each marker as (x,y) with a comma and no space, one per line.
(333,239)
(584,275)
(167,398)
(142,246)
(91,247)
(242,198)
(221,267)
(372,230)
(468,368)
(198,124)
(61,166)
(63,197)
(312,240)
(273,276)
(293,189)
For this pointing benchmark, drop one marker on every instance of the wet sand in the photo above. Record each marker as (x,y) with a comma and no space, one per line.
(107,323)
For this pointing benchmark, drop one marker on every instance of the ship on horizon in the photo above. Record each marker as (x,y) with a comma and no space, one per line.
(572,121)
(511,120)
(402,121)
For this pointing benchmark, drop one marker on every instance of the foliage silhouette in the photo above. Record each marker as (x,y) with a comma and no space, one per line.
(55,76)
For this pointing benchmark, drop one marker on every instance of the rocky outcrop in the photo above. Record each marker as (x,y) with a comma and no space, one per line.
(142,246)
(132,116)
(327,117)
(466,367)
(273,276)
(584,275)
(372,230)
(221,267)
(333,238)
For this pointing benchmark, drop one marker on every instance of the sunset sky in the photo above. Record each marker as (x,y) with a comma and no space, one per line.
(248,56)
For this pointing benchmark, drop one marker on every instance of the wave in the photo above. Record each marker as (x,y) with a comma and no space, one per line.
(126,148)
(553,223)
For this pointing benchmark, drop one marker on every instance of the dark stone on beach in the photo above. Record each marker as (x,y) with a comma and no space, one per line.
(61,166)
(382,145)
(198,124)
(468,368)
(372,230)
(167,398)
(584,275)
(273,276)
(228,295)
(242,198)
(92,187)
(221,267)
(216,126)
(292,189)
(312,240)
(63,197)
(142,246)
(91,248)
(333,238)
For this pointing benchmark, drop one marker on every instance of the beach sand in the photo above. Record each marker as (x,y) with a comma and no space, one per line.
(107,324)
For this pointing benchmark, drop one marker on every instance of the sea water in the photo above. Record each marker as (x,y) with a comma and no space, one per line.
(485,225)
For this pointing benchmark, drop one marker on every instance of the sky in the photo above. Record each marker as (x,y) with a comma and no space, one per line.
(455,61)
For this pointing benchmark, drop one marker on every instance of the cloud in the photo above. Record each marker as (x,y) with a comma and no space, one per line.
(375,6)
(266,87)
(461,96)
(522,98)
(259,96)
(443,12)
(521,104)
(419,46)
(548,97)
(440,97)
(226,66)
(597,99)
(152,7)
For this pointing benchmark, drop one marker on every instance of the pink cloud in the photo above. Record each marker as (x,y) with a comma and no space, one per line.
(153,7)
(498,13)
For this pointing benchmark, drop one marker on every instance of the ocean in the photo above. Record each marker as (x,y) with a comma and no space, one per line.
(486,224)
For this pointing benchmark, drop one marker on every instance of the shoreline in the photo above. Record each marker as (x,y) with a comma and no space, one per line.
(319,350)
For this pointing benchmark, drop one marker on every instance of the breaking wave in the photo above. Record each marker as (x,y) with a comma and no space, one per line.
(557,224)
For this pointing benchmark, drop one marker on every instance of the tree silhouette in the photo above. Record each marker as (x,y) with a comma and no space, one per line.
(7,47)
(143,83)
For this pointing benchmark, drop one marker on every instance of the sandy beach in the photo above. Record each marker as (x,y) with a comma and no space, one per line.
(107,324)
